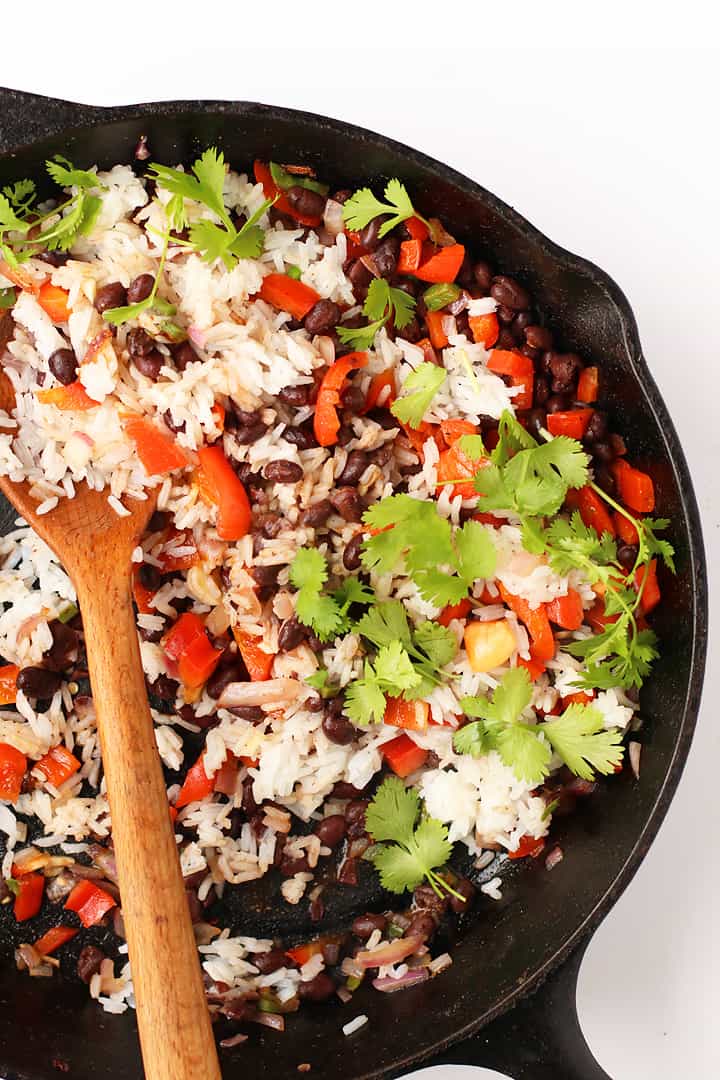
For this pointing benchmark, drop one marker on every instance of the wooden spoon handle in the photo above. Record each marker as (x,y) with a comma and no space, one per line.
(175,1030)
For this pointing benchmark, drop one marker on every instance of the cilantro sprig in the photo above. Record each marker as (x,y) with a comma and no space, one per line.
(423,384)
(406,851)
(411,531)
(326,614)
(381,302)
(119,315)
(578,736)
(363,207)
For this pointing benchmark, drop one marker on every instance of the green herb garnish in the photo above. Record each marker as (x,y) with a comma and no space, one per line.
(382,302)
(423,384)
(439,296)
(362,207)
(327,615)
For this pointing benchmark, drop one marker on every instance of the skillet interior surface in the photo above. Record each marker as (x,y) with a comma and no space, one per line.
(508,947)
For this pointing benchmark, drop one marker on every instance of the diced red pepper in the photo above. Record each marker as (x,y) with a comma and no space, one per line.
(282,203)
(410,715)
(486,518)
(13,766)
(196,786)
(326,423)
(172,563)
(429,354)
(141,594)
(456,468)
(188,645)
(57,766)
(573,423)
(258,662)
(485,329)
(625,529)
(73,396)
(535,668)
(594,512)
(54,938)
(443,266)
(588,384)
(536,620)
(453,430)
(418,229)
(158,450)
(403,755)
(410,256)
(520,370)
(635,487)
(54,302)
(528,846)
(646,578)
(8,684)
(581,698)
(28,900)
(597,618)
(417,437)
(454,611)
(220,484)
(227,775)
(302,953)
(434,323)
(566,611)
(381,381)
(89,902)
(288,294)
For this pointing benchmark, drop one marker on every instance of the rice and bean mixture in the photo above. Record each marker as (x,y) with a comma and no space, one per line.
(394,596)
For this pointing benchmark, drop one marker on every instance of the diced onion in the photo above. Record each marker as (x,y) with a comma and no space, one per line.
(270,692)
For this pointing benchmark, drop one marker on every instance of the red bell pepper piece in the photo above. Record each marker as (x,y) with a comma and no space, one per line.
(89,902)
(581,698)
(489,519)
(443,266)
(54,938)
(520,370)
(282,203)
(258,662)
(381,381)
(188,645)
(566,611)
(227,775)
(536,620)
(410,256)
(326,423)
(453,430)
(573,423)
(625,529)
(594,512)
(302,953)
(220,484)
(528,846)
(73,396)
(54,302)
(172,563)
(13,766)
(8,684)
(403,755)
(535,668)
(141,594)
(288,294)
(28,900)
(454,611)
(418,229)
(456,468)
(647,580)
(485,329)
(635,488)
(196,786)
(157,449)
(434,323)
(57,766)
(409,715)
(429,354)
(417,437)
(588,384)
(597,618)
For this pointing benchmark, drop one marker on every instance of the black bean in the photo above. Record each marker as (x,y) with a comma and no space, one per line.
(359,277)
(534,354)
(342,196)
(542,390)
(229,670)
(52,258)
(627,554)
(318,989)
(536,420)
(283,472)
(355,817)
(356,464)
(331,830)
(509,292)
(164,688)
(63,365)
(467,890)
(317,514)
(557,403)
(302,437)
(422,925)
(140,288)
(183,354)
(158,521)
(483,274)
(564,368)
(151,635)
(271,525)
(64,649)
(150,577)
(252,713)
(338,729)
(290,865)
(296,395)
(353,399)
(110,296)
(505,339)
(539,337)
(89,962)
(38,682)
(265,575)
(366,925)
(306,202)
(149,364)
(386,256)
(348,503)
(351,554)
(603,451)
(322,317)
(292,633)
(248,435)
(139,342)
(343,790)
(519,325)
(370,235)
(505,315)
(268,962)
(597,428)
(426,899)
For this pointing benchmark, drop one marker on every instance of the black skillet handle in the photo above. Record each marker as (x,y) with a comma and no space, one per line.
(539,1039)
(26,117)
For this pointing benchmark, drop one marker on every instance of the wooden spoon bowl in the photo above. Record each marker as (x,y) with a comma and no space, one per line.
(95,546)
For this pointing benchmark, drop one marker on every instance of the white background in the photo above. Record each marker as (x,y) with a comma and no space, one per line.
(612,153)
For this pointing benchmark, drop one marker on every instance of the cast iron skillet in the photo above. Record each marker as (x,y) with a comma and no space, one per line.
(532,941)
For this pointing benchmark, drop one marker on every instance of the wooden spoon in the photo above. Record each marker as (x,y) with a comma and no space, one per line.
(95,545)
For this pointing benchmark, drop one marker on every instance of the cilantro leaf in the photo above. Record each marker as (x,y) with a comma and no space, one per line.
(423,384)
(393,812)
(308,574)
(119,315)
(527,755)
(394,670)
(9,220)
(382,302)
(400,868)
(320,682)
(308,569)
(364,699)
(581,741)
(65,175)
(362,207)
(21,194)
(476,552)
(437,642)
(385,623)
(352,591)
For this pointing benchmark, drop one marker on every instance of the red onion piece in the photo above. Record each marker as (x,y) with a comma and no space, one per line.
(333,217)
(553,857)
(386,985)
(270,692)
(393,953)
(271,1020)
